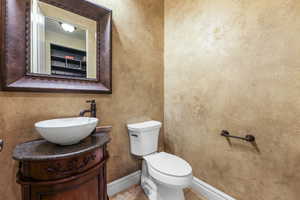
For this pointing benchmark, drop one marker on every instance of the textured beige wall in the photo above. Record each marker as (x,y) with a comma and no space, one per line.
(137,92)
(235,64)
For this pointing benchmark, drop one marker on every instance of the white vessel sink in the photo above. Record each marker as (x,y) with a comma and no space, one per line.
(66,131)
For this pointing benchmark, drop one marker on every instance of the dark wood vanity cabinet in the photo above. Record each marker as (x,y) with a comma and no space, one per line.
(51,172)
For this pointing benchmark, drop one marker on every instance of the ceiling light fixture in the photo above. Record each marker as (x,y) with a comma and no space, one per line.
(67,27)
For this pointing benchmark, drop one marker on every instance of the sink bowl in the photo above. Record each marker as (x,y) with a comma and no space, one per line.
(66,131)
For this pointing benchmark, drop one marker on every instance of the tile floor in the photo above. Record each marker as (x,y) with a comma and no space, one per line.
(136,193)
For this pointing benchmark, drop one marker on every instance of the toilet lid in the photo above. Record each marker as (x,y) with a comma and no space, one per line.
(169,164)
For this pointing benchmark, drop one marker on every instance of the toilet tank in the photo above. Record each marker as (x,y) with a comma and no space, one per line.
(144,137)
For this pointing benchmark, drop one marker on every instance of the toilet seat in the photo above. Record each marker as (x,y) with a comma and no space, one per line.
(169,164)
(169,169)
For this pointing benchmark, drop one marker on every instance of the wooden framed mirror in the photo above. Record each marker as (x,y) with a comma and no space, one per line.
(55,46)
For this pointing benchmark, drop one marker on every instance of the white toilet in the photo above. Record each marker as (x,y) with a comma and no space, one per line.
(163,175)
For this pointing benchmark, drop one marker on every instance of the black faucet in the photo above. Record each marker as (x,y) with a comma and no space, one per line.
(92,110)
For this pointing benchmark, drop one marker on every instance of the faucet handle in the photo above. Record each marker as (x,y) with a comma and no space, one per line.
(91,101)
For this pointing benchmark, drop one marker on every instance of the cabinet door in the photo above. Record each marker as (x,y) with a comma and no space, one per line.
(86,191)
(86,186)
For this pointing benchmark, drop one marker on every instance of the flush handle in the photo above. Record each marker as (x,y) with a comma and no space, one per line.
(134,135)
(1,145)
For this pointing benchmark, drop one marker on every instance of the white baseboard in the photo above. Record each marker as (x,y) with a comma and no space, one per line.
(198,186)
(123,183)
(208,191)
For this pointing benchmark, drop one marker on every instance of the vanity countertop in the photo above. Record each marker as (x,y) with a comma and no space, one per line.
(41,150)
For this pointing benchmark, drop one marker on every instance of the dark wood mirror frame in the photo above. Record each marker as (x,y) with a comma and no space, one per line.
(15,49)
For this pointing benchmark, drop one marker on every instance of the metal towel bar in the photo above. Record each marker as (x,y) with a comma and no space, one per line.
(248,138)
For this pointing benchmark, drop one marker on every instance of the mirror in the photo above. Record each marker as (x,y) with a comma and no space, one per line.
(55,46)
(63,43)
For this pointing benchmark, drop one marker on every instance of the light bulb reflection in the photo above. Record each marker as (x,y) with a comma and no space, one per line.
(68,27)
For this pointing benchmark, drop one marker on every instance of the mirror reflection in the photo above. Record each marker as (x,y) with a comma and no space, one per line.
(62,43)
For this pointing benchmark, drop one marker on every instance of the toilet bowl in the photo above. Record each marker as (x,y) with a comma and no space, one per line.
(164,176)
(169,173)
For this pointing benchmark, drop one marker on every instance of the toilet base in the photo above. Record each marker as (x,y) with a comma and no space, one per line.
(158,191)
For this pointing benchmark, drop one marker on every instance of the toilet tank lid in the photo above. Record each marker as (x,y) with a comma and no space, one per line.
(148,125)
